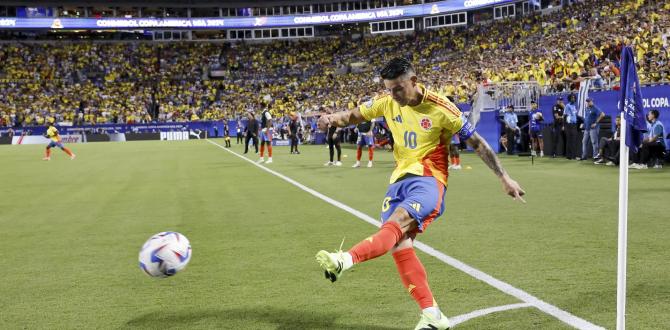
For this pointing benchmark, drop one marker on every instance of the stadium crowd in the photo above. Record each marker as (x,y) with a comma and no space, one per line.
(134,82)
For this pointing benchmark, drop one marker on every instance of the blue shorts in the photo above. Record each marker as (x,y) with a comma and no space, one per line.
(535,134)
(55,144)
(365,140)
(267,136)
(421,196)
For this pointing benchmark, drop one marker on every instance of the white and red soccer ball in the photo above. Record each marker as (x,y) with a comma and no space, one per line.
(165,254)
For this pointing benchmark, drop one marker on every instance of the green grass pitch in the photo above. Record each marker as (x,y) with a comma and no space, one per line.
(71,232)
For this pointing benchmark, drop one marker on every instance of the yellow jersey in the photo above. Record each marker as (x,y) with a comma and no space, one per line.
(52,133)
(421,133)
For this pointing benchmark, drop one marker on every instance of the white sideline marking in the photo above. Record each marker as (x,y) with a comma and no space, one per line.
(455,320)
(545,307)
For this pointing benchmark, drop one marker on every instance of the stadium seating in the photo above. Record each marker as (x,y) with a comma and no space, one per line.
(131,82)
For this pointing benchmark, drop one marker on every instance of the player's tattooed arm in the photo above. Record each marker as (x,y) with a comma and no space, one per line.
(341,119)
(484,151)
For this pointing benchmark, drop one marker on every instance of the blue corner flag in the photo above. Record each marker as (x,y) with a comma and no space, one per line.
(630,100)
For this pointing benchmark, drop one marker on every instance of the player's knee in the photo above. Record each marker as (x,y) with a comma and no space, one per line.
(404,219)
(406,242)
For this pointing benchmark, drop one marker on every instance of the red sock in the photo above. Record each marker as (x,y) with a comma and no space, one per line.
(48,152)
(371,151)
(414,277)
(262,149)
(270,150)
(452,160)
(67,151)
(378,244)
(359,152)
(458,160)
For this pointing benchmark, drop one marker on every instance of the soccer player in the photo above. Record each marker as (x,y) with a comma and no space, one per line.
(266,136)
(226,133)
(52,134)
(422,123)
(365,138)
(454,155)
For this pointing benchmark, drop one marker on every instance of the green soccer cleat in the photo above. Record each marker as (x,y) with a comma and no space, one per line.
(332,264)
(428,322)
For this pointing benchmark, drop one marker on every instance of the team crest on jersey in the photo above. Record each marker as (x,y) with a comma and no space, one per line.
(426,123)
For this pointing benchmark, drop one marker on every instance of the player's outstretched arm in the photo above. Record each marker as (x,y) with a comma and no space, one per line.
(341,119)
(484,151)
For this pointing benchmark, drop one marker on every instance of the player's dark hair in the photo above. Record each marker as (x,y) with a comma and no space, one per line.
(655,113)
(396,68)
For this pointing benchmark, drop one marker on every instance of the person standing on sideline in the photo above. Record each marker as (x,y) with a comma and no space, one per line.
(333,138)
(558,127)
(251,132)
(592,117)
(535,120)
(571,130)
(511,128)
(293,128)
(240,138)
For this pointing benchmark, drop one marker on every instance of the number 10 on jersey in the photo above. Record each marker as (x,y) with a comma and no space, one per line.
(410,139)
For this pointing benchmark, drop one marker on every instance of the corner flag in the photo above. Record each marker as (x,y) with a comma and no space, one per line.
(630,101)
(632,127)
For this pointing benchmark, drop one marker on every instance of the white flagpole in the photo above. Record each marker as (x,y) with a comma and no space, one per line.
(623,230)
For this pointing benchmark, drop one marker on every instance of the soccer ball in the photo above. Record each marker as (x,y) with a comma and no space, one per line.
(165,254)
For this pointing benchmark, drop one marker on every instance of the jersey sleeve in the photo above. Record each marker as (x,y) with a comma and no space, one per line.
(466,130)
(458,124)
(373,108)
